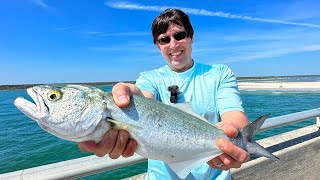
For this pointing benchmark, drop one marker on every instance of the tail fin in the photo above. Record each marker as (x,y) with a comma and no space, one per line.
(247,134)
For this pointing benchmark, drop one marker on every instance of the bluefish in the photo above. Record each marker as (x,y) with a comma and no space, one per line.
(183,140)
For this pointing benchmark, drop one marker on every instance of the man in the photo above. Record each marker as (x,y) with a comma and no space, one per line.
(211,89)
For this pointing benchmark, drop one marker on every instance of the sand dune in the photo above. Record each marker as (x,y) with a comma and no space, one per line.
(279,85)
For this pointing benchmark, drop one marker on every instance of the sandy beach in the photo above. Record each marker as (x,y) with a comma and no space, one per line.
(313,86)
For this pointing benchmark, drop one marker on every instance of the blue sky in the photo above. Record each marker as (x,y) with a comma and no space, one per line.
(55,41)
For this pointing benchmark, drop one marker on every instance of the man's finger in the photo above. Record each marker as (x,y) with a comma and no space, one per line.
(230,130)
(121,94)
(130,148)
(87,146)
(120,145)
(83,147)
(235,152)
(217,163)
(229,162)
(107,143)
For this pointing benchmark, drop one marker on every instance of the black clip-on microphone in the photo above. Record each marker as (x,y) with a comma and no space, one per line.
(174,90)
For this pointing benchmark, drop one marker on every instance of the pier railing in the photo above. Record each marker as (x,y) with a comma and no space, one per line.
(92,165)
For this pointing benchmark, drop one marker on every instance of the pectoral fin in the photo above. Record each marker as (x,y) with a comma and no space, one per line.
(121,125)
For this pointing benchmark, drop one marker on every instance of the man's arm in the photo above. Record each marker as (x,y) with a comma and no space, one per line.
(237,118)
(233,156)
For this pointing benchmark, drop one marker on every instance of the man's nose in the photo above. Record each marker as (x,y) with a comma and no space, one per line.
(173,43)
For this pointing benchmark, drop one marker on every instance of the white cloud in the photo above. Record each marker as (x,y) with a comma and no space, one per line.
(242,44)
(41,4)
(247,45)
(132,47)
(203,12)
(269,52)
(314,47)
(64,28)
(99,33)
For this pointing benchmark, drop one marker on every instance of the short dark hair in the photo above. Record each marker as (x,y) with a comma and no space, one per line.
(161,23)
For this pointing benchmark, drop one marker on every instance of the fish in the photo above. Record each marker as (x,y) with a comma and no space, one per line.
(172,133)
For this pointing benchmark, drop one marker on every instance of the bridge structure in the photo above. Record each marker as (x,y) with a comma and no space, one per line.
(298,150)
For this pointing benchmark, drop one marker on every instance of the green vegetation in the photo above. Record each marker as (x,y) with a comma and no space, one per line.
(25,86)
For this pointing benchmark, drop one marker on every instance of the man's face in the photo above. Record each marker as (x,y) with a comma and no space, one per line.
(177,53)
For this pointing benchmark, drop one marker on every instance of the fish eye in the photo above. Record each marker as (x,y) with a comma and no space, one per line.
(54,95)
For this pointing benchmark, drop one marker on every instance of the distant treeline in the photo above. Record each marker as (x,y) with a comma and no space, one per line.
(25,86)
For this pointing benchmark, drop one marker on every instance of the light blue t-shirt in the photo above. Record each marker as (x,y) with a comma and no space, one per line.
(212,91)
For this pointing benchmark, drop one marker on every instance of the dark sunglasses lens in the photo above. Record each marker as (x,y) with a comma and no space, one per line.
(180,35)
(164,40)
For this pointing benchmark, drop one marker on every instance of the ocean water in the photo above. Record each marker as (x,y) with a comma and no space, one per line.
(24,144)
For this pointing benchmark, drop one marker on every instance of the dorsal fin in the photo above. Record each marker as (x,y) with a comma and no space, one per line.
(187,108)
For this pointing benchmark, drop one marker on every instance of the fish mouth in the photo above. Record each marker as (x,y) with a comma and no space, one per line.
(36,111)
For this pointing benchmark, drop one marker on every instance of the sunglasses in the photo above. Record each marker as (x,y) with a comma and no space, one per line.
(177,36)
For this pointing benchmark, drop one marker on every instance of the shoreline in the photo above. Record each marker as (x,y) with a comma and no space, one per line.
(303,86)
(243,85)
(25,86)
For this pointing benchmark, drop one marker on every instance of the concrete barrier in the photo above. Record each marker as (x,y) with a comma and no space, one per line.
(299,153)
(298,150)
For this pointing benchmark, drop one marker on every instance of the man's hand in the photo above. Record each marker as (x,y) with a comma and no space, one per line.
(233,156)
(115,142)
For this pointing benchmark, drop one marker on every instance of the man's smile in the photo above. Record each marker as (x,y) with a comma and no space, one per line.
(176,54)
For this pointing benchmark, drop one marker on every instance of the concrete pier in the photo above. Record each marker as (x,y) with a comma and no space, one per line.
(299,153)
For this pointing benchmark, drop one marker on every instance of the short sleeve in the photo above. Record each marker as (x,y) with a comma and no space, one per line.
(145,82)
(228,95)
